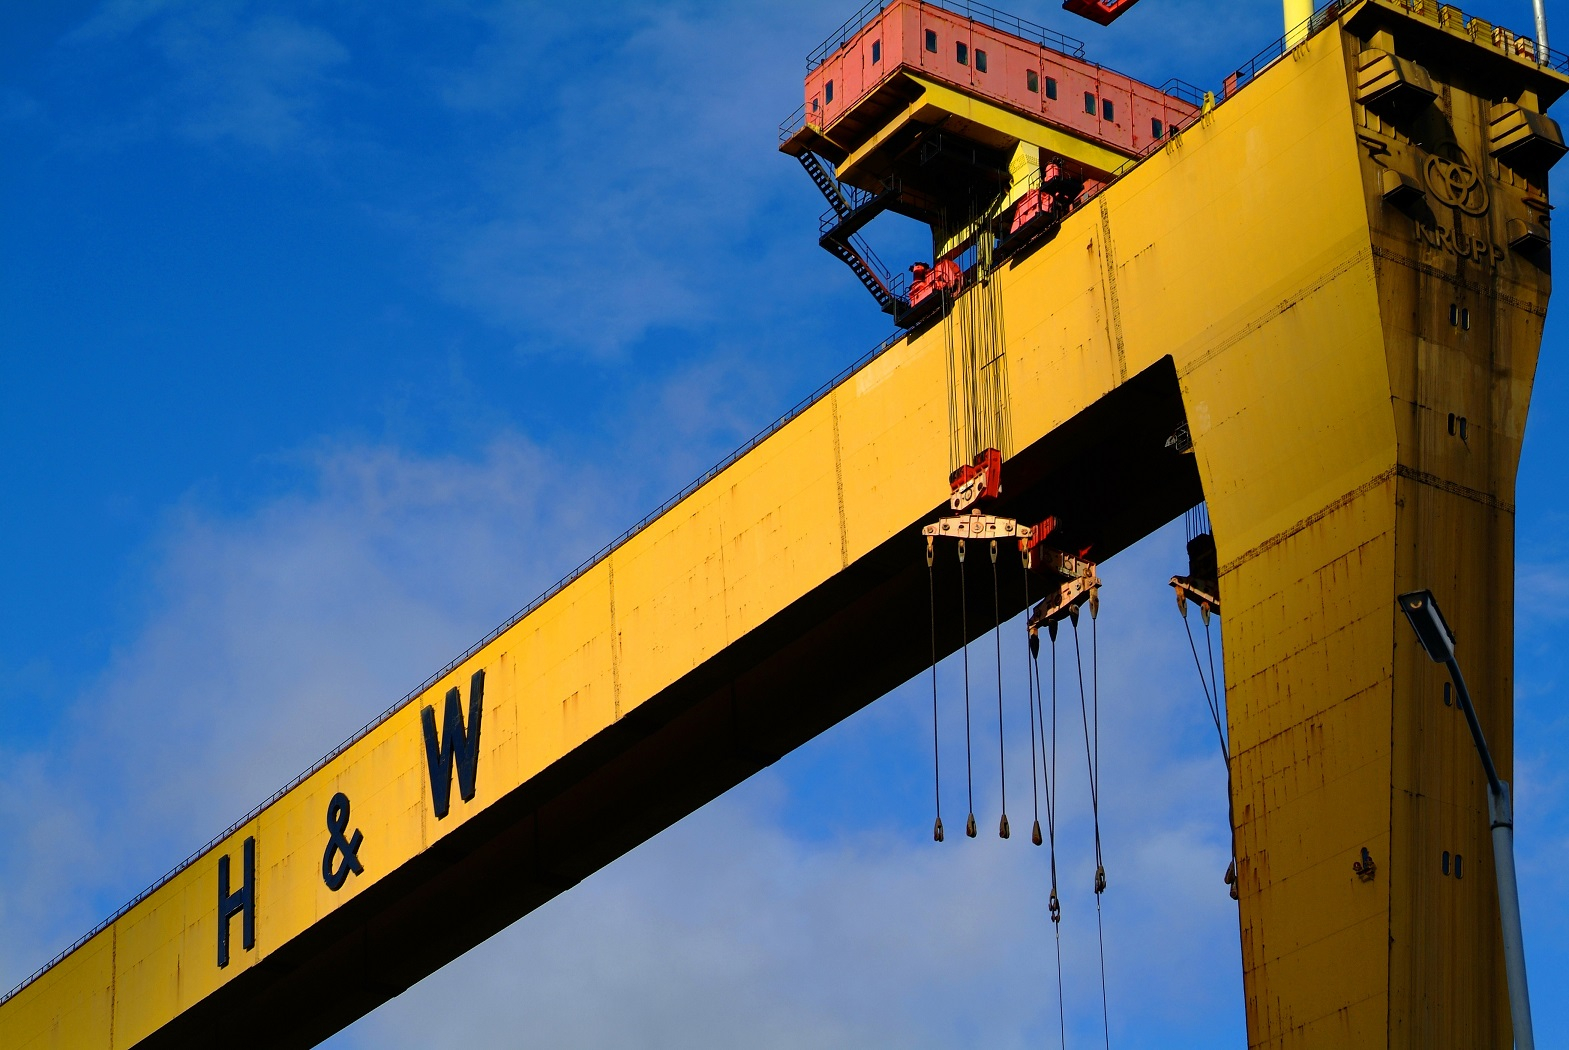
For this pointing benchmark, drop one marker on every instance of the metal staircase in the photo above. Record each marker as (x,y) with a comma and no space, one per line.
(825,182)
(838,237)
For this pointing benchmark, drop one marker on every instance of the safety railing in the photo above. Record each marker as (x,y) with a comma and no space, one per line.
(1558,61)
(1183,92)
(793,123)
(896,281)
(1438,13)
(982,13)
(857,199)
(1249,70)
(550,592)
(1503,39)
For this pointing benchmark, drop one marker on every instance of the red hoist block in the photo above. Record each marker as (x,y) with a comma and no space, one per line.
(1104,12)
(977,481)
(930,279)
(1030,543)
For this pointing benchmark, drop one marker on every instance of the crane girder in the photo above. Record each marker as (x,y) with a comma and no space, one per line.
(1248,281)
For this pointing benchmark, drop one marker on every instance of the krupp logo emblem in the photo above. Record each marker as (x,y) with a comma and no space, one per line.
(1457,184)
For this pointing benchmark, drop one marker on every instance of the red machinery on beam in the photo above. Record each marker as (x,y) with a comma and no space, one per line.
(1104,12)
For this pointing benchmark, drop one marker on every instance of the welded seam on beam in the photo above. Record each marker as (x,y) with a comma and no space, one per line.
(844,525)
(1488,290)
(615,641)
(1110,254)
(1264,318)
(549,593)
(1421,477)
(114,979)
(1308,522)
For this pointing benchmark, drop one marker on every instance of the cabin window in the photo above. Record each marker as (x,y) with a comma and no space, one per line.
(828,92)
(1106,110)
(931,41)
(1051,87)
(1089,103)
(980,61)
(877,51)
(1444,864)
(1032,80)
(814,105)
(1155,129)
(963,54)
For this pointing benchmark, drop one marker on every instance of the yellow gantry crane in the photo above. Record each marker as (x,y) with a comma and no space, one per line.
(1313,301)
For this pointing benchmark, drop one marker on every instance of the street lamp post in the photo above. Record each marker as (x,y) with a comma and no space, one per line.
(1439,643)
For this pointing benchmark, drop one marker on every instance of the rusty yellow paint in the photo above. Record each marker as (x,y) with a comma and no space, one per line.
(1251,279)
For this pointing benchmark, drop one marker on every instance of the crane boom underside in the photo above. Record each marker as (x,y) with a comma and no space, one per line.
(1262,280)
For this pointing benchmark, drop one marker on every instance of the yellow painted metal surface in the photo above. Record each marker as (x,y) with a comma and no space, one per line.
(1252,279)
(981,120)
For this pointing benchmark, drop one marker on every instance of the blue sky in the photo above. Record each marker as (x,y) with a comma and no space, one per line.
(332,333)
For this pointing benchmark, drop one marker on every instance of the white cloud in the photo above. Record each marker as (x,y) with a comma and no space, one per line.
(255,80)
(277,632)
(214,72)
(270,638)
(1542,590)
(609,211)
(742,926)
(633,162)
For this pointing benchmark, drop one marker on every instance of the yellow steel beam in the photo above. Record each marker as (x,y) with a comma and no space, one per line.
(985,122)
(1250,279)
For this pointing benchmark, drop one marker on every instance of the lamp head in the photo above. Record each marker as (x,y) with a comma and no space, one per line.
(1438,641)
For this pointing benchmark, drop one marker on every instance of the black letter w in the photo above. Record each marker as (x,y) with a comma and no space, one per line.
(454,741)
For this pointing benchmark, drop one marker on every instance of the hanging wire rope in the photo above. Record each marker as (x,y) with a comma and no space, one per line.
(975,345)
(1214,700)
(1209,645)
(964,630)
(1211,698)
(1032,686)
(1091,759)
(1054,903)
(1225,748)
(1091,749)
(1100,868)
(931,591)
(1002,756)
(958,405)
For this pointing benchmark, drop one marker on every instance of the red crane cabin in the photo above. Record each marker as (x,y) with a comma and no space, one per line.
(1040,82)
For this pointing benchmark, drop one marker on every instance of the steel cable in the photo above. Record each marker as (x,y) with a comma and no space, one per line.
(1032,686)
(1051,824)
(1091,759)
(1212,702)
(1002,756)
(964,636)
(931,591)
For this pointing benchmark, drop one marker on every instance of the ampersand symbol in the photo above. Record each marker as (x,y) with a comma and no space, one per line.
(349,849)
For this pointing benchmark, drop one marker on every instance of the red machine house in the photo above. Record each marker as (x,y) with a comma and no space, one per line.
(953,114)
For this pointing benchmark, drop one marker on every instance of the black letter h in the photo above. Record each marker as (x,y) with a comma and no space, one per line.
(242,900)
